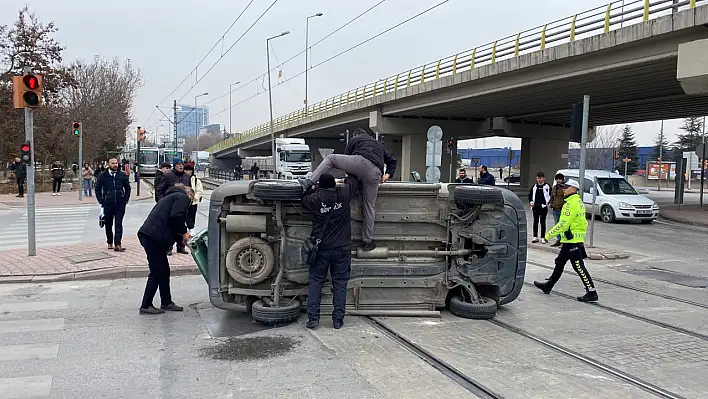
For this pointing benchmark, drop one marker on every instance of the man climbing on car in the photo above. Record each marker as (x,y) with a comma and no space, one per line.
(572,228)
(365,158)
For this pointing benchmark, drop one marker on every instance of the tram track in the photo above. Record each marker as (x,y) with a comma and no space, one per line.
(480,390)
(629,287)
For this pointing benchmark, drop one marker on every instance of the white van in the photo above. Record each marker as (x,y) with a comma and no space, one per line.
(616,198)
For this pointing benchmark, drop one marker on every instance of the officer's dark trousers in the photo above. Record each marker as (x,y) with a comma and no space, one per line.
(112,212)
(159,276)
(575,253)
(338,262)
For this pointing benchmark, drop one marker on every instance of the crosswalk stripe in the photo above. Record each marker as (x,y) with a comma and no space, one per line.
(26,387)
(10,307)
(20,326)
(28,352)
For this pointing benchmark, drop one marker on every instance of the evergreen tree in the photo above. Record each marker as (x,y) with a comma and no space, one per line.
(661,147)
(627,149)
(691,136)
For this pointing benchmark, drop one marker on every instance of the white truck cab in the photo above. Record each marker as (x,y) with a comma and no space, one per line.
(294,158)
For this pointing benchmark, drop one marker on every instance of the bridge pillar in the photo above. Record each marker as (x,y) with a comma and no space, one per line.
(692,68)
(541,155)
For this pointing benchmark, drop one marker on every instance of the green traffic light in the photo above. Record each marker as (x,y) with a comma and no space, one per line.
(76,132)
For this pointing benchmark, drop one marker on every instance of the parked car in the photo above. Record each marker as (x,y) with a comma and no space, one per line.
(616,199)
(514,178)
(462,247)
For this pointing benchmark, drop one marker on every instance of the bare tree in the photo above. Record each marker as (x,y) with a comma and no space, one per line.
(600,151)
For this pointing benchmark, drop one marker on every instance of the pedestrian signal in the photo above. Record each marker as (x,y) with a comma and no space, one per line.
(27,91)
(76,128)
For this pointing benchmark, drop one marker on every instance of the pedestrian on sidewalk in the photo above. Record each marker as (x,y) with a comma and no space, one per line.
(113,193)
(159,174)
(166,220)
(485,178)
(87,179)
(174,176)
(20,170)
(573,226)
(58,174)
(196,184)
(539,198)
(557,201)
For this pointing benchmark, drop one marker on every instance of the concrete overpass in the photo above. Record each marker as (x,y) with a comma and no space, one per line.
(648,62)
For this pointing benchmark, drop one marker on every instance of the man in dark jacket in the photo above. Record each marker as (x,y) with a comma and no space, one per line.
(334,254)
(20,169)
(159,174)
(174,176)
(365,158)
(113,193)
(463,178)
(157,234)
(485,177)
(57,177)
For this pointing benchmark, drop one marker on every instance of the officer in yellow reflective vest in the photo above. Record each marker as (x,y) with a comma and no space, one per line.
(572,227)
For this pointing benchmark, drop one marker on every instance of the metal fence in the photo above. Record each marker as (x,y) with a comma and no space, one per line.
(221,174)
(615,15)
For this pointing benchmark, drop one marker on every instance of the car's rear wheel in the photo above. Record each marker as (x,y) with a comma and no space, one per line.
(478,311)
(278,190)
(607,214)
(287,312)
(478,195)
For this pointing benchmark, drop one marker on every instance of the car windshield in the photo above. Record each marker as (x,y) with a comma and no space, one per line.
(615,186)
(297,156)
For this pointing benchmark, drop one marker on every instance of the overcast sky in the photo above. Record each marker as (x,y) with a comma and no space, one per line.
(166,39)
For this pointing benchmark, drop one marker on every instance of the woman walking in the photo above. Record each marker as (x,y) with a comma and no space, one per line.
(87,179)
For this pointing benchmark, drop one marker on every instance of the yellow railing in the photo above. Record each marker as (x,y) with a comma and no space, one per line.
(593,22)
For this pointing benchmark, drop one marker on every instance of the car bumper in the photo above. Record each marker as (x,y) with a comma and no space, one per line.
(621,214)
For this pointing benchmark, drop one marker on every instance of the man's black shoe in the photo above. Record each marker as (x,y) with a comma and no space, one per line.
(590,296)
(556,244)
(151,310)
(312,324)
(337,324)
(369,246)
(172,307)
(305,183)
(545,287)
(182,251)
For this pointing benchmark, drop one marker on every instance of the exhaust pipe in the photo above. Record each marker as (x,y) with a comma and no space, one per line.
(384,253)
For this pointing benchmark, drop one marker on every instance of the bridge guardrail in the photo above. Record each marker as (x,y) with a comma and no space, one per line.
(589,23)
(221,174)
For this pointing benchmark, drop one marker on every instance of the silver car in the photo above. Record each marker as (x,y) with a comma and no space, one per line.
(463,248)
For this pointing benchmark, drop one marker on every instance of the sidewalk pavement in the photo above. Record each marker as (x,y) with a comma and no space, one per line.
(595,253)
(86,261)
(67,198)
(689,214)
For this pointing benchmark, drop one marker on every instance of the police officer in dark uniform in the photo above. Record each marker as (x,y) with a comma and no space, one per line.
(331,225)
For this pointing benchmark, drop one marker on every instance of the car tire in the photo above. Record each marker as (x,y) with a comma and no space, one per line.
(477,311)
(607,214)
(246,254)
(478,195)
(278,190)
(288,312)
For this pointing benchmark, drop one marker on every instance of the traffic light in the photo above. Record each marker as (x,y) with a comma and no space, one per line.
(576,123)
(450,144)
(141,134)
(27,91)
(616,154)
(344,137)
(76,128)
(26,153)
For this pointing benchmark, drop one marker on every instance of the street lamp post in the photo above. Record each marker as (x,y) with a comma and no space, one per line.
(231,85)
(307,51)
(270,97)
(196,121)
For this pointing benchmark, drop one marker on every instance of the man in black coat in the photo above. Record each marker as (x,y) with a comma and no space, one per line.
(113,193)
(20,169)
(174,176)
(335,236)
(159,174)
(157,234)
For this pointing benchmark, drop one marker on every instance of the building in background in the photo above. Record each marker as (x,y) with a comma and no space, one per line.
(191,120)
(213,130)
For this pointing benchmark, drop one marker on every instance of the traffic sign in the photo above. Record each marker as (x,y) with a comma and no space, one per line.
(627,160)
(699,150)
(475,161)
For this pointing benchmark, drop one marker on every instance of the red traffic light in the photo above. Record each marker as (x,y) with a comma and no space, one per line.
(25,148)
(31,82)
(76,125)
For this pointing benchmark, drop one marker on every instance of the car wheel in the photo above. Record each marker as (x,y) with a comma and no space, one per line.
(250,260)
(607,214)
(287,312)
(278,190)
(478,311)
(478,195)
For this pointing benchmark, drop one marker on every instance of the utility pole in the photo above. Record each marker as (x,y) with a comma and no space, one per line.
(307,51)
(81,159)
(661,154)
(703,159)
(270,99)
(29,137)
(174,108)
(584,144)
